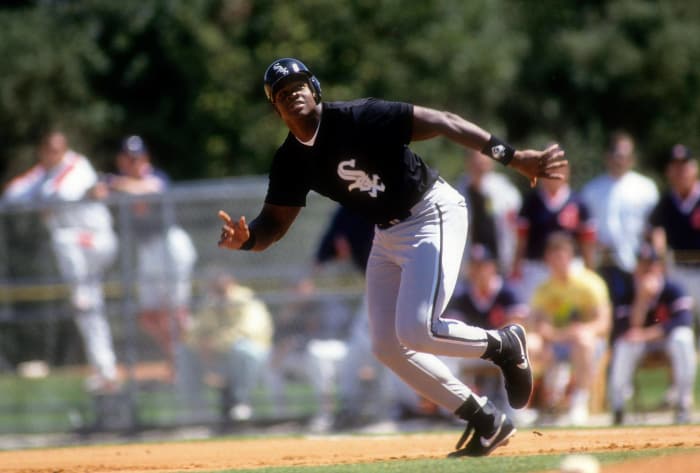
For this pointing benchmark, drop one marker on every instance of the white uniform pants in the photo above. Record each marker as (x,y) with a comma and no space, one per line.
(680,347)
(83,255)
(411,274)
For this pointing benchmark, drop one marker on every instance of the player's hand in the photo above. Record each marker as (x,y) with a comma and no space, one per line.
(549,163)
(233,234)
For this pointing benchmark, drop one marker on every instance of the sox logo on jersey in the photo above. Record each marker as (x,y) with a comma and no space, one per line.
(360,179)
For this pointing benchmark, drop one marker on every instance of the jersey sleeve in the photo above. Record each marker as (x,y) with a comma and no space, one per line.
(286,184)
(387,119)
(680,305)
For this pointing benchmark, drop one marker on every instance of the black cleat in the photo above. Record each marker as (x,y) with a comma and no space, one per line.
(487,430)
(514,361)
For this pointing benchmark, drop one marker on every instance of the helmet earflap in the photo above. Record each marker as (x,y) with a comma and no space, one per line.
(286,67)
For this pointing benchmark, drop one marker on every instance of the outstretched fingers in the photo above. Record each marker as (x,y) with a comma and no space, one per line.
(232,233)
(552,163)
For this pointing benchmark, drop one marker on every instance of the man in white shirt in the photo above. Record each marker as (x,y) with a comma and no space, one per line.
(82,239)
(620,201)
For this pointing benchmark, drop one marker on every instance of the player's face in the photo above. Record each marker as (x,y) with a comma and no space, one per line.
(295,99)
(559,259)
(620,159)
(52,149)
(682,175)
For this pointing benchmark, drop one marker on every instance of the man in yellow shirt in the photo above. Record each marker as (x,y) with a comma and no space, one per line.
(571,314)
(227,347)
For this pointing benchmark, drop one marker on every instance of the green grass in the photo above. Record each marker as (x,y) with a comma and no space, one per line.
(520,464)
(49,404)
(59,403)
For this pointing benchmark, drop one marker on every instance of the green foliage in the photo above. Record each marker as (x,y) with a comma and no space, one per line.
(187,74)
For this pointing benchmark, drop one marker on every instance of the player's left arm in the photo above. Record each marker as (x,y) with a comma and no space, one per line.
(430,123)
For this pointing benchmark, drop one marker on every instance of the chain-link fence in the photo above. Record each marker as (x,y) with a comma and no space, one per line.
(48,376)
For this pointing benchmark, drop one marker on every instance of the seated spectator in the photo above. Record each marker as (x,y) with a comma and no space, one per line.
(487,301)
(571,312)
(653,315)
(226,347)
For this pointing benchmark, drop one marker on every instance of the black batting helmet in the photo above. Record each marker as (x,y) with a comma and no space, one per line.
(284,68)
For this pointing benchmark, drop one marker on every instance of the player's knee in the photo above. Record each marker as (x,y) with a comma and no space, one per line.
(414,339)
(386,352)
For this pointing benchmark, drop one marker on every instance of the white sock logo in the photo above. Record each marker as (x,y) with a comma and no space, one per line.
(360,179)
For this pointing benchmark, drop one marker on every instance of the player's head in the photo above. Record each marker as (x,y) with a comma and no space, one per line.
(620,157)
(52,148)
(287,69)
(134,147)
(681,170)
(559,252)
(649,260)
(482,265)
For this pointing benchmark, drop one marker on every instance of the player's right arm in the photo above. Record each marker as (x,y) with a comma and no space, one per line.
(268,227)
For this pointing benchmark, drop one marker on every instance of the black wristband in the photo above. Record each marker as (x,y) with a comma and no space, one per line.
(249,243)
(499,150)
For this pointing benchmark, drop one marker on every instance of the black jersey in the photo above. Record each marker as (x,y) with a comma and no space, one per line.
(680,220)
(673,307)
(360,159)
(542,215)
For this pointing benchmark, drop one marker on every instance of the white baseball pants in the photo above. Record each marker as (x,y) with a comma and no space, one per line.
(411,274)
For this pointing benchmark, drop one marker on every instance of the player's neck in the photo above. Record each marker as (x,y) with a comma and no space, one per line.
(304,128)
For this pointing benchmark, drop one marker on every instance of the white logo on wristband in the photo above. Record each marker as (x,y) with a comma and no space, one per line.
(498,151)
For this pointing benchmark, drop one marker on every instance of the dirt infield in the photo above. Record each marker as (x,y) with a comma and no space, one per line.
(333,450)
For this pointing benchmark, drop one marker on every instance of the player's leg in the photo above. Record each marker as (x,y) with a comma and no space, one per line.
(680,347)
(625,358)
(428,247)
(425,372)
(75,254)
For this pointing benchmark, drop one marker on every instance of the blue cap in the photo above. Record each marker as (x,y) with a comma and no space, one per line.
(134,146)
(680,153)
(647,252)
(479,253)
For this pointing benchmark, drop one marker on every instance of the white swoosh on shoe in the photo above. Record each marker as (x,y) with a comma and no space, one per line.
(487,441)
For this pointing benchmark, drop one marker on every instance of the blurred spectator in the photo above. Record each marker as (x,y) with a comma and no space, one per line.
(165,254)
(571,312)
(552,207)
(226,347)
(653,315)
(620,202)
(493,203)
(490,303)
(82,239)
(675,221)
(342,367)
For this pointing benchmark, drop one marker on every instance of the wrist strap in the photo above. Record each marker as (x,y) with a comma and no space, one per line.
(249,243)
(499,150)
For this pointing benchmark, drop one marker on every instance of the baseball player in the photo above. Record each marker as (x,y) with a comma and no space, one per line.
(550,208)
(675,221)
(654,314)
(357,153)
(82,239)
